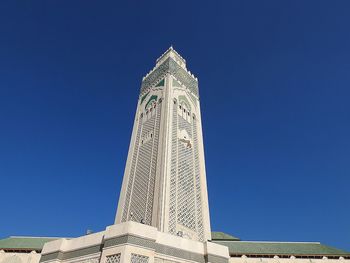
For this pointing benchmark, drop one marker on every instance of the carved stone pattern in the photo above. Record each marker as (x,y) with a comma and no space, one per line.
(173,172)
(143,177)
(183,76)
(156,75)
(148,217)
(126,214)
(135,258)
(170,66)
(161,260)
(186,214)
(130,239)
(185,200)
(142,174)
(180,254)
(200,228)
(113,258)
(88,260)
(143,170)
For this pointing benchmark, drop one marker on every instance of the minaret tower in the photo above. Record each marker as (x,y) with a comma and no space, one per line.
(164,181)
(163,213)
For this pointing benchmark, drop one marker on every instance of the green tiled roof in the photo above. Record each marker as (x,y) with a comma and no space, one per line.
(223,236)
(25,243)
(235,246)
(280,248)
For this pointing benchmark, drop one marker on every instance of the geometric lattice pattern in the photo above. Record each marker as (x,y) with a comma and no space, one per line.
(170,66)
(113,258)
(140,190)
(185,189)
(135,258)
(200,227)
(173,171)
(186,207)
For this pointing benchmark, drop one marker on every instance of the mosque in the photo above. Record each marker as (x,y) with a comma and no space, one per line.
(163,212)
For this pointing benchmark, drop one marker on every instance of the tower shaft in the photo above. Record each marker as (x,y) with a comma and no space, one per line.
(164,182)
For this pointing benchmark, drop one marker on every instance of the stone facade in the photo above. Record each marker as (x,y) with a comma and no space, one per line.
(15,257)
(132,242)
(164,181)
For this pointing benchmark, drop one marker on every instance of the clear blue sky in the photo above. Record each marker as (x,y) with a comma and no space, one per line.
(274,83)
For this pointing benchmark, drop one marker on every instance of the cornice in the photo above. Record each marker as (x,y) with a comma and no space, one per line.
(172,67)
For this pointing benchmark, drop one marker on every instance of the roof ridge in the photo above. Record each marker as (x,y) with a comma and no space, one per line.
(281,242)
(31,237)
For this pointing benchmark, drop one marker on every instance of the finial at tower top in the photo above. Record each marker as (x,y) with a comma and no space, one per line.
(171,52)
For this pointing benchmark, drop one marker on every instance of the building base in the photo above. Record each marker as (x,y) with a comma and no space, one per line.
(132,242)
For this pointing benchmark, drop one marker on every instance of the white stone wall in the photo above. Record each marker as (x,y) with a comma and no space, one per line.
(6,257)
(131,242)
(187,199)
